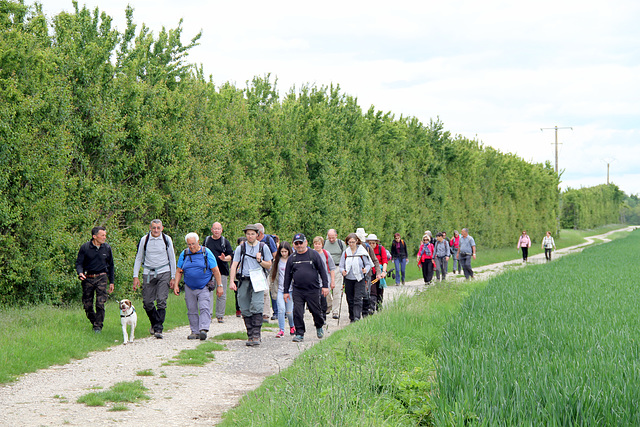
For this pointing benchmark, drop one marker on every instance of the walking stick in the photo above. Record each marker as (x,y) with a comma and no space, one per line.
(340,308)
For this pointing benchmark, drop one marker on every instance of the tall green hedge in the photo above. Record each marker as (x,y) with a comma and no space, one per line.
(105,128)
(592,206)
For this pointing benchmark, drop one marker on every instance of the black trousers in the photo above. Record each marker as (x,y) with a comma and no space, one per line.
(525,253)
(427,270)
(310,297)
(354,291)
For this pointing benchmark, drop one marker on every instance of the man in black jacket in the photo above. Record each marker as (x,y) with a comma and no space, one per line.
(95,269)
(305,267)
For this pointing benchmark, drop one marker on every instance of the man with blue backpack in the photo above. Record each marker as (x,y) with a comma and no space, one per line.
(199,267)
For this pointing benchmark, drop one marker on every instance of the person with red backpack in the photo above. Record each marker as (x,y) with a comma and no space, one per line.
(377,289)
(318,245)
(425,259)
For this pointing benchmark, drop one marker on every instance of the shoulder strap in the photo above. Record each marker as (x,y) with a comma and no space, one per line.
(203,251)
(326,255)
(144,248)
(341,245)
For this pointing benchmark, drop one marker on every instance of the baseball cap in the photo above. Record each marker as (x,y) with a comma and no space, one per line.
(299,238)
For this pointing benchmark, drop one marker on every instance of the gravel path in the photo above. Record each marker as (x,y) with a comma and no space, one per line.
(180,395)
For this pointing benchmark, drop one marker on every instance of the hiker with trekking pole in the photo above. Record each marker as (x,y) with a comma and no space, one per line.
(354,265)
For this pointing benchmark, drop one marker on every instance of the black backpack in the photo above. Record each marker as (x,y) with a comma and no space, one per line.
(144,248)
(243,253)
(203,251)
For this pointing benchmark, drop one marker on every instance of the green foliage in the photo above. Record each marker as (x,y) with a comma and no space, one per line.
(591,207)
(631,210)
(548,345)
(101,127)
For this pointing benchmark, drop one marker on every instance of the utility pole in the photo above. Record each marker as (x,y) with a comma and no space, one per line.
(556,129)
(608,162)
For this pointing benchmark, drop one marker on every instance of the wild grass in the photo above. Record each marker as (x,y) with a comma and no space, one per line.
(377,371)
(123,392)
(145,373)
(240,335)
(199,356)
(548,345)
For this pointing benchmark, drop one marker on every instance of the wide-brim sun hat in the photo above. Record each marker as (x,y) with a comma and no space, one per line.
(251,227)
(361,234)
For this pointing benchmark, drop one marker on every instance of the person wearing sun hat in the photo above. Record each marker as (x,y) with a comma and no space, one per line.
(249,257)
(306,269)
(366,306)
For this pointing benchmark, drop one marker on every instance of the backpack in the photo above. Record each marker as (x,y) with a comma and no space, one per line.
(203,251)
(144,248)
(341,245)
(326,255)
(361,258)
(243,253)
(225,242)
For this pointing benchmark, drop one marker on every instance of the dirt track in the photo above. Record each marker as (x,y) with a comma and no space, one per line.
(180,395)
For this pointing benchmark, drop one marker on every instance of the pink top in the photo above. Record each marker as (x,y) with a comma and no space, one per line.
(524,242)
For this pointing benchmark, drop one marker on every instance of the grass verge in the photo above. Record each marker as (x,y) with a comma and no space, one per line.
(379,370)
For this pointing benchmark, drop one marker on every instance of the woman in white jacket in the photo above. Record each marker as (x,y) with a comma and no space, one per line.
(354,265)
(548,245)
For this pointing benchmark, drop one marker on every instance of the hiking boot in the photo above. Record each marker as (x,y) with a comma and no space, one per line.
(335,316)
(220,319)
(320,333)
(280,334)
(292,331)
(193,336)
(158,335)
(298,338)
(97,330)
(274,317)
(151,331)
(251,342)
(202,335)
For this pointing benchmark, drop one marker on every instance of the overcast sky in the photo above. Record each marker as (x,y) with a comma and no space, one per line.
(495,71)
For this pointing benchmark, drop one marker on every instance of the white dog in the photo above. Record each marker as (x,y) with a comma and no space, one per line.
(128,316)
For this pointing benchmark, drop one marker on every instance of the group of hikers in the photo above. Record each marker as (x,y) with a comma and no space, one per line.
(264,271)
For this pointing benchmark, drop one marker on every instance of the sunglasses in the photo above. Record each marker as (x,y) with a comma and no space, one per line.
(298,243)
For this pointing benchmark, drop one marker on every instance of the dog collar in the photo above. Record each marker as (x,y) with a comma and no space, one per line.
(128,315)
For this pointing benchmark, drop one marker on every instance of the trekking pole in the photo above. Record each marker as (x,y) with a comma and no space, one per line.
(340,308)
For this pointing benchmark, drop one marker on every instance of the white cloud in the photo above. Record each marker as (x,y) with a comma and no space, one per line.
(496,70)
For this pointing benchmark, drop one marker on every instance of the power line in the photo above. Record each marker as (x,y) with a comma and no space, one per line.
(556,129)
